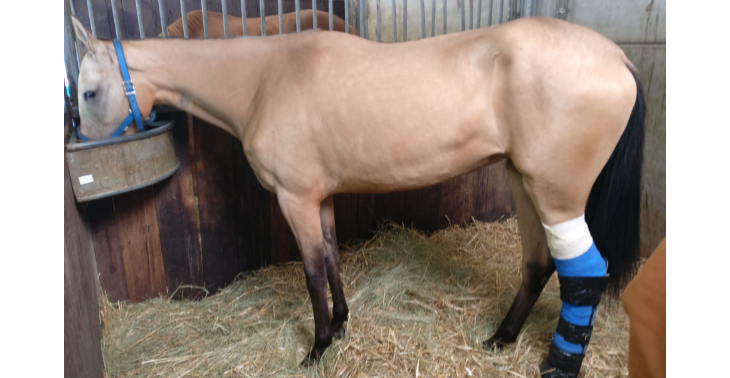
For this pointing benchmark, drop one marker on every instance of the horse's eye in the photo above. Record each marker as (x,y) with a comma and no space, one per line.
(89,94)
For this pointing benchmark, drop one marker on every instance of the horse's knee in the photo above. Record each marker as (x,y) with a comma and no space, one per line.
(316,281)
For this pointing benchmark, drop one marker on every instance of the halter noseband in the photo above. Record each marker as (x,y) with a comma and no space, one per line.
(129,91)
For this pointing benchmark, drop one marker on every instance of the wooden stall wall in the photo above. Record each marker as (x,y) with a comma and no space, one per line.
(81,327)
(212,219)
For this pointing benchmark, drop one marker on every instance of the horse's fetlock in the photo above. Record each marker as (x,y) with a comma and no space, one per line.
(323,338)
(340,313)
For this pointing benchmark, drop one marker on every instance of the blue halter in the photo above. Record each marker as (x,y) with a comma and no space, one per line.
(134,114)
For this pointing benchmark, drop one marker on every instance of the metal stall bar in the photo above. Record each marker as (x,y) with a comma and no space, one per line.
(244,17)
(139,18)
(377,25)
(522,9)
(204,8)
(395,24)
(444,12)
(163,16)
(533,6)
(332,26)
(405,21)
(361,5)
(489,22)
(479,14)
(463,16)
(70,54)
(299,21)
(91,18)
(314,14)
(262,12)
(281,17)
(501,11)
(433,17)
(423,20)
(224,9)
(184,17)
(115,15)
(471,14)
(347,16)
(73,9)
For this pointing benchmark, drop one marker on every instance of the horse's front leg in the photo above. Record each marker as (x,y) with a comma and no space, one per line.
(332,261)
(303,216)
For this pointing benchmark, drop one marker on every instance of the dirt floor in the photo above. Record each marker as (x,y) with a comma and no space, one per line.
(419,307)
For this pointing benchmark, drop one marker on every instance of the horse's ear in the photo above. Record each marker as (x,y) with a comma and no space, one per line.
(83,36)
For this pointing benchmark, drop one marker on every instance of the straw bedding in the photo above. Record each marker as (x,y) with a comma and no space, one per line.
(420,306)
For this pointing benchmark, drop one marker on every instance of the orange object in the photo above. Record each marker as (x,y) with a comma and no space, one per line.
(645,301)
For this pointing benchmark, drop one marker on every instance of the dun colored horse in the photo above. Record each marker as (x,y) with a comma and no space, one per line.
(321,113)
(253,24)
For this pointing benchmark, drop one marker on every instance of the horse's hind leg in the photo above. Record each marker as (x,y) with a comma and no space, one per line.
(560,201)
(332,261)
(537,264)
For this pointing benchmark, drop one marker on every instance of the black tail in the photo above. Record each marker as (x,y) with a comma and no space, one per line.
(612,212)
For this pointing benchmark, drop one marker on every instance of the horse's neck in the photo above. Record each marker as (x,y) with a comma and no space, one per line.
(213,80)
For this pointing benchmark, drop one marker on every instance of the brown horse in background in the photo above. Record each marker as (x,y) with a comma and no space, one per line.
(253,24)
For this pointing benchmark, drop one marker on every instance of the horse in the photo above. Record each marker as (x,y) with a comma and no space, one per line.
(253,24)
(320,113)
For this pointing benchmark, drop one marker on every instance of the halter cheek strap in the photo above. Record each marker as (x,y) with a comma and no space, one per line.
(129,91)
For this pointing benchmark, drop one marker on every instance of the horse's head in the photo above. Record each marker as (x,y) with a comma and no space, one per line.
(103,104)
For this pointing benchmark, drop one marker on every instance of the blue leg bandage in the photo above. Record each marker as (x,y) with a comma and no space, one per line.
(589,264)
(582,274)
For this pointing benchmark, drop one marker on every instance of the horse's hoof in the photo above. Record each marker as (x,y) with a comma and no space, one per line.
(548,371)
(312,358)
(338,332)
(309,361)
(493,345)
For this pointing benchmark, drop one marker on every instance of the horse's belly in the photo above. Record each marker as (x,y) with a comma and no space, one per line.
(413,158)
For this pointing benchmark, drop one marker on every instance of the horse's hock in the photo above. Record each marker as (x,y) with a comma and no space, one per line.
(114,166)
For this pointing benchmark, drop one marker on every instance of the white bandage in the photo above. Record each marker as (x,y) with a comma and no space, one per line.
(568,239)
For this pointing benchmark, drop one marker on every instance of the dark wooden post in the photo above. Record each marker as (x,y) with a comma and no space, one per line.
(82,328)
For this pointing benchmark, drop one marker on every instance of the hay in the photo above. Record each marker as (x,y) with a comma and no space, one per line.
(419,306)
